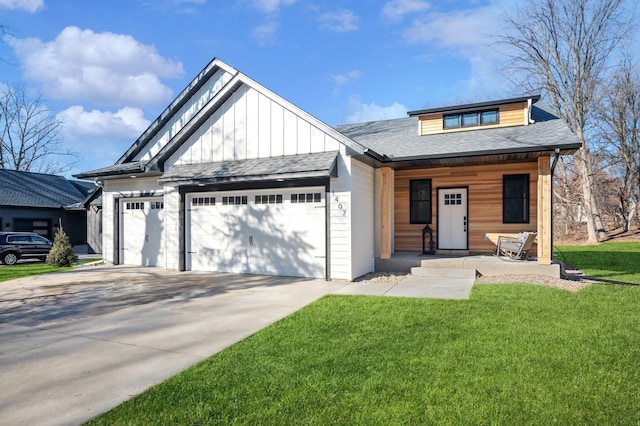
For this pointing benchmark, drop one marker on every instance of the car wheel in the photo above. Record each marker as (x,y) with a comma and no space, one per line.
(9,259)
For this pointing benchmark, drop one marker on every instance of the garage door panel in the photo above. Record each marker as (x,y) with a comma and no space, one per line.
(267,235)
(141,232)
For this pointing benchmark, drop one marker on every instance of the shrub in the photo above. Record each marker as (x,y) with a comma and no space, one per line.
(61,253)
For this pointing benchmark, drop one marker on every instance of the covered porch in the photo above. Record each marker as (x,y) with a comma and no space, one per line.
(483,223)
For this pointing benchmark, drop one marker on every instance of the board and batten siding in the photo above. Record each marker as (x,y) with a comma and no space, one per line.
(362,219)
(112,190)
(509,115)
(173,220)
(251,125)
(339,205)
(485,202)
(184,114)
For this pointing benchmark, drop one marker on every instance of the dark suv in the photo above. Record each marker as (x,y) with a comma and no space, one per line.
(18,245)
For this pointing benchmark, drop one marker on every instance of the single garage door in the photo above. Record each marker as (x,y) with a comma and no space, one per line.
(271,232)
(141,231)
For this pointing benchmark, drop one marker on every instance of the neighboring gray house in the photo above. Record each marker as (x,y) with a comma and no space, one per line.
(37,202)
(231,177)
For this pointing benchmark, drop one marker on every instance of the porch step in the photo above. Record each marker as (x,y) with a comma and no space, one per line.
(443,272)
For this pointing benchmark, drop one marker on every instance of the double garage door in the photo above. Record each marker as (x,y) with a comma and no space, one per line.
(271,232)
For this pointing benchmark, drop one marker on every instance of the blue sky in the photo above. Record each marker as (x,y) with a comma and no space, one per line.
(108,68)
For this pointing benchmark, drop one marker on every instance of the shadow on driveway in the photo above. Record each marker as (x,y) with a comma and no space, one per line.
(98,290)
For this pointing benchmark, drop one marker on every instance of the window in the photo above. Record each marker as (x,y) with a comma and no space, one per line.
(203,201)
(470,119)
(315,197)
(515,198)
(452,199)
(237,200)
(420,201)
(19,238)
(269,199)
(157,205)
(39,240)
(134,206)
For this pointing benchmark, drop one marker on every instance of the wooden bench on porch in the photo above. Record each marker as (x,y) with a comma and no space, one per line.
(516,248)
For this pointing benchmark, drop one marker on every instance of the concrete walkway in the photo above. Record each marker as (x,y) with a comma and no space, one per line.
(75,344)
(414,286)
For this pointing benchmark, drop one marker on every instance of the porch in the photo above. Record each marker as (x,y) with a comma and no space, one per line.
(482,264)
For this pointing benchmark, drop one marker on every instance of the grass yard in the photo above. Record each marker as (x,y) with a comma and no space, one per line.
(611,261)
(513,354)
(22,270)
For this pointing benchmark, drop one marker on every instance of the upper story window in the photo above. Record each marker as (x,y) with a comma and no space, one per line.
(470,119)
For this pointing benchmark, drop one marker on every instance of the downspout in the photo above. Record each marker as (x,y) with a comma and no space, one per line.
(530,120)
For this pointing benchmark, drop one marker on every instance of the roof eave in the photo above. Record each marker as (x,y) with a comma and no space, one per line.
(564,149)
(118,174)
(467,107)
(253,178)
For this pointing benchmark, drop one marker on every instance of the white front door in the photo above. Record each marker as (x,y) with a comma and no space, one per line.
(452,219)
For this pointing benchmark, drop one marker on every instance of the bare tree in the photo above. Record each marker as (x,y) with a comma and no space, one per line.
(29,134)
(562,48)
(619,124)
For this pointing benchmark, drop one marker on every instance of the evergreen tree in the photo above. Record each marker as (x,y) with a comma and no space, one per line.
(61,253)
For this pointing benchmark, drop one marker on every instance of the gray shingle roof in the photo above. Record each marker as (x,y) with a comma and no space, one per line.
(28,189)
(321,164)
(132,167)
(399,139)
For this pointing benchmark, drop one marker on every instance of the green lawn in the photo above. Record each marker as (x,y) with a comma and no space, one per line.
(22,270)
(513,354)
(611,261)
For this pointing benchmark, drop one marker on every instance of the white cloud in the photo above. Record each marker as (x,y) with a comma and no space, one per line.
(466,34)
(395,10)
(270,6)
(362,113)
(266,33)
(103,68)
(462,29)
(100,137)
(341,79)
(31,6)
(339,22)
(128,122)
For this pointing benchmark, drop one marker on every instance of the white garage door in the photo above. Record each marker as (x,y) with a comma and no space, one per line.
(141,231)
(271,232)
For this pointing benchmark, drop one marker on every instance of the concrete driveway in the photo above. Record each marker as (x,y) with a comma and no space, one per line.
(75,344)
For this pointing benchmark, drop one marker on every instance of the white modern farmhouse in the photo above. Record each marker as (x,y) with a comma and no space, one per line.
(233,178)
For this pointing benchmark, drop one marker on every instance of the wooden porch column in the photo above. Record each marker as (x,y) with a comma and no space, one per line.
(545,214)
(386,212)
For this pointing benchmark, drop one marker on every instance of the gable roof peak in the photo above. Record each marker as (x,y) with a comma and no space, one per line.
(183,97)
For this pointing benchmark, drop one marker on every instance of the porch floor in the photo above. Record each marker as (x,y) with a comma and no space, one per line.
(483,264)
